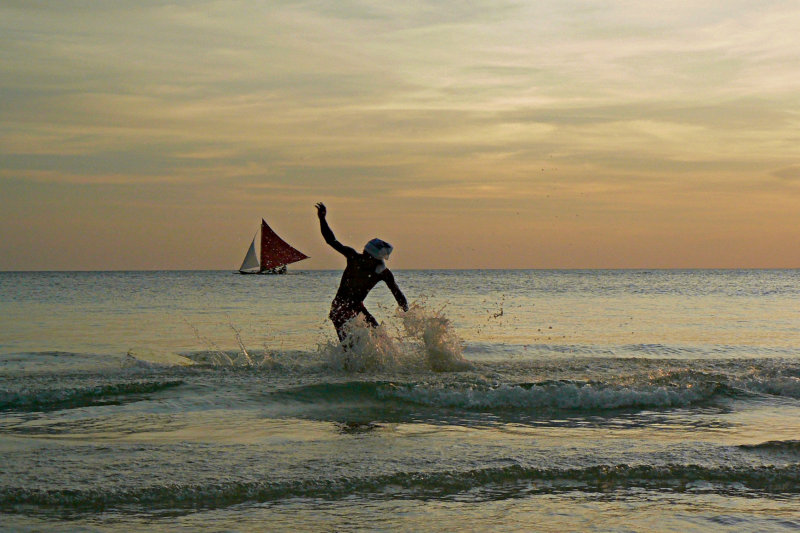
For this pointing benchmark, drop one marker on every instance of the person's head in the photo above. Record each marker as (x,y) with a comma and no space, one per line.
(380,251)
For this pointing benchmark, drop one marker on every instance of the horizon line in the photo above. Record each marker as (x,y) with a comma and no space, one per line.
(399,269)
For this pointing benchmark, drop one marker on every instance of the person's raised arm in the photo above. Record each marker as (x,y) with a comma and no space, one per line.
(388,277)
(328,235)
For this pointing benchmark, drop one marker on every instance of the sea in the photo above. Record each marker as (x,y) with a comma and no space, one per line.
(503,400)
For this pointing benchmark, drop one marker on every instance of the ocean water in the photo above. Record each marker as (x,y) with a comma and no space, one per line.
(502,401)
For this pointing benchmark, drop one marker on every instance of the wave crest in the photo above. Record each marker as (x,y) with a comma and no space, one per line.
(54,399)
(479,394)
(503,481)
(555,395)
(782,446)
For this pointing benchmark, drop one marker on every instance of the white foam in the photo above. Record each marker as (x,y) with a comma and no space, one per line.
(552,395)
(774,385)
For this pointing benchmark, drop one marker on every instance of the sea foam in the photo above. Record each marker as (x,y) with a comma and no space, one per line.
(554,395)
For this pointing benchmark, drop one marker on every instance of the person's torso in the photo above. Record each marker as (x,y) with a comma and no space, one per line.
(358,278)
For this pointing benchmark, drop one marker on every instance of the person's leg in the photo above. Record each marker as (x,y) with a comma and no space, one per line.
(339,315)
(368,317)
(337,324)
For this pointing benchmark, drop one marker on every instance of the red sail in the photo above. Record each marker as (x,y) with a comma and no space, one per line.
(275,252)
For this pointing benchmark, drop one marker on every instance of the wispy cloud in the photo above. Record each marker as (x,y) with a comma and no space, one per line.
(418,106)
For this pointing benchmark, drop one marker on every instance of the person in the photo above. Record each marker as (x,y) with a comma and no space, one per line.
(363,271)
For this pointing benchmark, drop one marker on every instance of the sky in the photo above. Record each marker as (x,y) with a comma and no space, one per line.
(139,134)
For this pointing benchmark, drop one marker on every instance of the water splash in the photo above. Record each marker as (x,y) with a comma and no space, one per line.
(426,340)
(365,349)
(443,347)
(216,356)
(420,339)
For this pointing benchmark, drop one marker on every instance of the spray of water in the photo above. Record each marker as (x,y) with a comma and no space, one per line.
(240,342)
(443,348)
(216,355)
(425,340)
(420,339)
(365,349)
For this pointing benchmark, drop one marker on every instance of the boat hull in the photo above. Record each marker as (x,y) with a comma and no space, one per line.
(267,271)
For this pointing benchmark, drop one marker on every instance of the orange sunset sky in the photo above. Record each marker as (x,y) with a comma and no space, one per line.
(482,134)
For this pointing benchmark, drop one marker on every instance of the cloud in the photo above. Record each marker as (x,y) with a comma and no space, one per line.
(463,106)
(788,173)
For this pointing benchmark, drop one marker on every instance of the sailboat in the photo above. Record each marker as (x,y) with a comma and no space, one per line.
(275,254)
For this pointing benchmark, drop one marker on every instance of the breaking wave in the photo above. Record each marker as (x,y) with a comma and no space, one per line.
(481,395)
(504,481)
(782,446)
(786,386)
(556,395)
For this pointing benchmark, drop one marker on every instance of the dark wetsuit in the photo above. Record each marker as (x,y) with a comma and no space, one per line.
(358,279)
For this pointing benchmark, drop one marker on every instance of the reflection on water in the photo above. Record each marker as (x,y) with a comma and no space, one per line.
(574,400)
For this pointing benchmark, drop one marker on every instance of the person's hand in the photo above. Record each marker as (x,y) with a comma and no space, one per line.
(321,210)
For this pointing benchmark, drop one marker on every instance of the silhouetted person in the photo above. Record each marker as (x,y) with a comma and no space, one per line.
(363,271)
